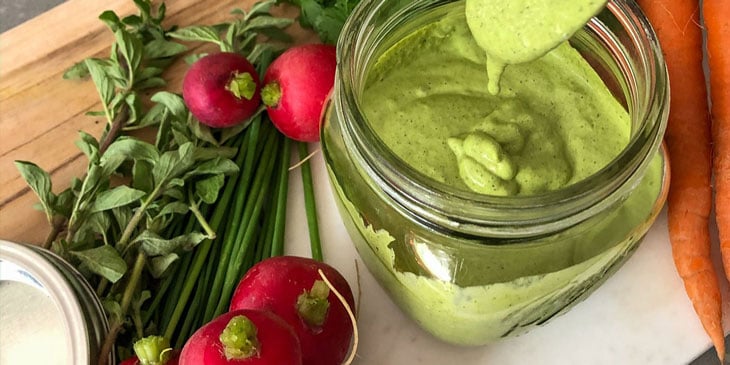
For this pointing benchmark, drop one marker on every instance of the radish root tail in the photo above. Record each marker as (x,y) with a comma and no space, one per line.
(342,299)
(305,159)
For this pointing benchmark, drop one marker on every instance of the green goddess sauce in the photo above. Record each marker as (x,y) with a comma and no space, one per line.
(553,123)
(517,31)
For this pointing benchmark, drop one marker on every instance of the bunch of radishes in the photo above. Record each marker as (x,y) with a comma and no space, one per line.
(222,89)
(282,312)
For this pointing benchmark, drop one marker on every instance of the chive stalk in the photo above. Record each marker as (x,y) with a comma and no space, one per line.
(310,204)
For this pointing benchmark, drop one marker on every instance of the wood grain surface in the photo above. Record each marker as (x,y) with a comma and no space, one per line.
(41,113)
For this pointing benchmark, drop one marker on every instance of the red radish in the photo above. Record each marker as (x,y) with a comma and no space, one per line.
(250,337)
(153,350)
(296,86)
(292,288)
(222,89)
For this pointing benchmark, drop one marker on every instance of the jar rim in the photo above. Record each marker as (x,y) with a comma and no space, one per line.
(422,197)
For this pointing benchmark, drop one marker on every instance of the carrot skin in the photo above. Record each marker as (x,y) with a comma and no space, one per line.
(717,24)
(688,139)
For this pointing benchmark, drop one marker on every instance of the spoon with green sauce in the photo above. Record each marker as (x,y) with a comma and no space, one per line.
(517,31)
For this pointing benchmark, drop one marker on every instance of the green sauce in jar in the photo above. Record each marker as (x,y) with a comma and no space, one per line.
(561,179)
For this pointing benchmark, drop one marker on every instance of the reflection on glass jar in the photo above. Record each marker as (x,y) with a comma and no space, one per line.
(471,264)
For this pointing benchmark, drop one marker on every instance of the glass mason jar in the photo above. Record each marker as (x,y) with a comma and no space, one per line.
(472,268)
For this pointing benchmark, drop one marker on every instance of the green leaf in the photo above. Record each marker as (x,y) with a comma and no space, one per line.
(267,21)
(103,260)
(153,116)
(173,102)
(149,72)
(201,33)
(139,300)
(101,79)
(132,20)
(129,148)
(125,148)
(98,223)
(130,46)
(113,308)
(111,20)
(202,132)
(64,203)
(214,167)
(118,197)
(135,107)
(144,7)
(142,176)
(122,215)
(160,264)
(40,182)
(277,34)
(77,71)
(151,83)
(176,207)
(207,189)
(208,153)
(89,146)
(175,193)
(190,59)
(173,163)
(180,137)
(160,48)
(154,245)
(231,35)
(260,8)
(93,178)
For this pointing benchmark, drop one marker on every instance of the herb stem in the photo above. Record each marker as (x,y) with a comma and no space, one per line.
(117,322)
(56,227)
(115,129)
(195,209)
(101,287)
(137,217)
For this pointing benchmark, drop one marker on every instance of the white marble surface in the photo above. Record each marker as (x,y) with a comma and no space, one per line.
(640,316)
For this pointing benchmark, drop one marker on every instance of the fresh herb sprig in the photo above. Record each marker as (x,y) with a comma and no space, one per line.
(326,17)
(117,233)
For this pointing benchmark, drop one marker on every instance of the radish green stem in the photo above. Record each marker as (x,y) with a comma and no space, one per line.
(310,204)
(312,305)
(271,94)
(242,86)
(152,350)
(239,339)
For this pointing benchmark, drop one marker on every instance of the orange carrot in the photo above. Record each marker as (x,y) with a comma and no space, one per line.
(688,140)
(717,23)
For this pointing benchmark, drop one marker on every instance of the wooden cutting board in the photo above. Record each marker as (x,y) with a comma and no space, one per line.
(41,113)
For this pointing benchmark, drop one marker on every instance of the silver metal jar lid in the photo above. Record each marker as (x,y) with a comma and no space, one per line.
(48,313)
